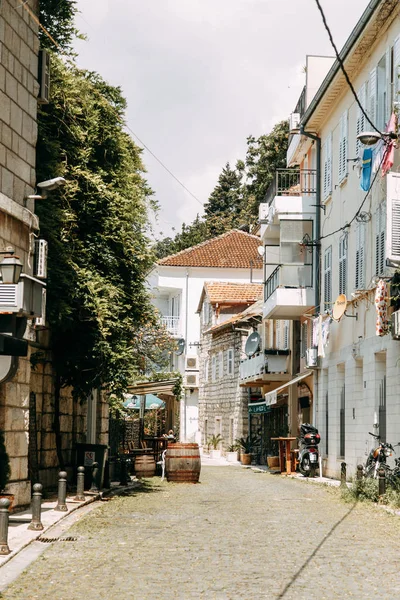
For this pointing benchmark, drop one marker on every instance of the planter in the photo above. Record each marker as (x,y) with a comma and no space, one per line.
(215,453)
(245,459)
(231,456)
(273,462)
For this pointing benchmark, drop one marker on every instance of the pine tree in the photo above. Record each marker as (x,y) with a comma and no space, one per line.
(224,207)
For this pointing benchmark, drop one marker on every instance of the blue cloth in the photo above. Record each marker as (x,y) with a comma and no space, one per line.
(366,169)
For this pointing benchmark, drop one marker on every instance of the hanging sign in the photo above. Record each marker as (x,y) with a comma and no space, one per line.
(258,409)
(271,398)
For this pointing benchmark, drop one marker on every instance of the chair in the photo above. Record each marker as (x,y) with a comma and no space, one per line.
(162,463)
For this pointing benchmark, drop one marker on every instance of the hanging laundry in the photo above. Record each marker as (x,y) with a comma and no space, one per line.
(366,169)
(381,308)
(388,158)
(377,155)
(325,332)
(320,344)
(315,332)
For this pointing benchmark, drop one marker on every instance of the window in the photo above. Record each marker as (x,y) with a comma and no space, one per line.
(292,233)
(343,265)
(213,367)
(207,369)
(327,153)
(396,70)
(328,278)
(221,364)
(206,313)
(360,256)
(380,239)
(343,146)
(230,361)
(286,329)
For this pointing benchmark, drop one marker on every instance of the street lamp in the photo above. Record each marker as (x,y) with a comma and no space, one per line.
(10,267)
(370,138)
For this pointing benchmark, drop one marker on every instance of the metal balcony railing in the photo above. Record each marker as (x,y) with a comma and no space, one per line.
(288,276)
(172,324)
(292,182)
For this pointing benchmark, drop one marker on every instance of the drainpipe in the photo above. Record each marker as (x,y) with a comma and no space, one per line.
(317,235)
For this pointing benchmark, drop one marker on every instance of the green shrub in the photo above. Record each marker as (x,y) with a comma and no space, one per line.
(4,463)
(362,490)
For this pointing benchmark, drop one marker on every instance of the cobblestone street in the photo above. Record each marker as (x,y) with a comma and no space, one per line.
(238,534)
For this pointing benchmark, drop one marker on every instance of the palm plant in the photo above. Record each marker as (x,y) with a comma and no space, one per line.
(215,440)
(247,443)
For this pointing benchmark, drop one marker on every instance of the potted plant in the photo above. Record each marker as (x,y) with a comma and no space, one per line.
(215,441)
(4,470)
(246,445)
(232,452)
(272,461)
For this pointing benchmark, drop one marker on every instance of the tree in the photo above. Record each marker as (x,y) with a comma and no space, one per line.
(57,17)
(224,207)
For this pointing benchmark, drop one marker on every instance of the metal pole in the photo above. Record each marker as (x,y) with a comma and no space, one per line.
(343,474)
(4,514)
(123,478)
(360,471)
(95,470)
(62,492)
(80,485)
(381,482)
(36,523)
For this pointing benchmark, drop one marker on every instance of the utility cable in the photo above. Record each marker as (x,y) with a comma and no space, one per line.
(340,61)
(35,18)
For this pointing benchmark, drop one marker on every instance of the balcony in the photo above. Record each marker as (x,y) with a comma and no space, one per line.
(292,182)
(270,365)
(288,292)
(172,325)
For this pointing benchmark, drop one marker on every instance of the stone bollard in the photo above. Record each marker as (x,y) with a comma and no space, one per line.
(4,514)
(62,492)
(343,474)
(36,523)
(80,485)
(123,478)
(381,481)
(360,471)
(95,470)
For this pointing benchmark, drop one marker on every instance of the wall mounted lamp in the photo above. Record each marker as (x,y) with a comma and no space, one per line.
(10,267)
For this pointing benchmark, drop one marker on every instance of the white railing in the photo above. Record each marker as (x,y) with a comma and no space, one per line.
(250,367)
(172,324)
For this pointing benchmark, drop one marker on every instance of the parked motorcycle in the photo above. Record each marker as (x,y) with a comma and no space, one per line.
(377,457)
(309,454)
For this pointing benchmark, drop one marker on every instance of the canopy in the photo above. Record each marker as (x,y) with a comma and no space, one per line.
(271,397)
(152,402)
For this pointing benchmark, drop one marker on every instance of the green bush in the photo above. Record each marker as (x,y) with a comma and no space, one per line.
(4,463)
(362,490)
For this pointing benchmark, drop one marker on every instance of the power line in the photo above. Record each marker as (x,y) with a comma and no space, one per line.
(343,68)
(34,17)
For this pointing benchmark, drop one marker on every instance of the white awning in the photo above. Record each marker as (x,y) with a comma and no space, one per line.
(272,397)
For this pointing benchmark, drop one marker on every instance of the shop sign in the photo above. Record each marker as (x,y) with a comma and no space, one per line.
(259,409)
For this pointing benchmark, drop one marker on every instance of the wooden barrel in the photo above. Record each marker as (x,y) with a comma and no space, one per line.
(182,463)
(145,466)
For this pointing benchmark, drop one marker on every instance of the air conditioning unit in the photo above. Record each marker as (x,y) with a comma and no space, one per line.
(191,380)
(40,259)
(263,211)
(312,361)
(294,121)
(192,363)
(44,77)
(24,298)
(396,325)
(40,322)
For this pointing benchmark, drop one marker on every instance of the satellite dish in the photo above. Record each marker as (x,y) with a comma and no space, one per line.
(339,308)
(261,250)
(181,347)
(253,344)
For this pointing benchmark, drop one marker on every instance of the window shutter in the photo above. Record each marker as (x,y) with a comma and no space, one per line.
(328,278)
(343,265)
(303,340)
(360,126)
(380,241)
(343,146)
(221,364)
(328,166)
(388,91)
(396,70)
(360,256)
(372,96)
(286,335)
(393,219)
(278,334)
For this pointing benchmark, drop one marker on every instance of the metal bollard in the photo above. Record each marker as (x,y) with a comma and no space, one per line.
(95,470)
(62,492)
(36,523)
(343,474)
(80,485)
(381,482)
(4,514)
(360,471)
(123,479)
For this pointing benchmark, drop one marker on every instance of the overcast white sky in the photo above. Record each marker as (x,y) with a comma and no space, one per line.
(201,75)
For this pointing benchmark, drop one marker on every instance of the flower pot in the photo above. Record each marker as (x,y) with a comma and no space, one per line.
(273,462)
(231,456)
(215,453)
(245,459)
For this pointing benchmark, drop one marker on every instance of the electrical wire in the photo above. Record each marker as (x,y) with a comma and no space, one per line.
(340,61)
(35,18)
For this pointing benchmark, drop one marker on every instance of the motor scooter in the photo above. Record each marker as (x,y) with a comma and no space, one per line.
(309,454)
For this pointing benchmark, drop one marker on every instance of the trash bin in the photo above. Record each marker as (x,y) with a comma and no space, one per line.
(86,455)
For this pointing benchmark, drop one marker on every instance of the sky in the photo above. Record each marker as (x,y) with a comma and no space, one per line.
(200,76)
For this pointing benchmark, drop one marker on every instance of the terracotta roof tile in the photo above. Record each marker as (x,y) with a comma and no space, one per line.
(224,293)
(234,249)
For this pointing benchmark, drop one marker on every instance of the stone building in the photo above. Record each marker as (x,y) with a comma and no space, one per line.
(29,411)
(227,316)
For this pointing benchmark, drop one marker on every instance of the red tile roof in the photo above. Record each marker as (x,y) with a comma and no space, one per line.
(225,293)
(234,249)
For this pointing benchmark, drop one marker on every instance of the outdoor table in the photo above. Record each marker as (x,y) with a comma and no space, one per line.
(284,451)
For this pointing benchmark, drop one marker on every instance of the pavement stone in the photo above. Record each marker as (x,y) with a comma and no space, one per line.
(239,534)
